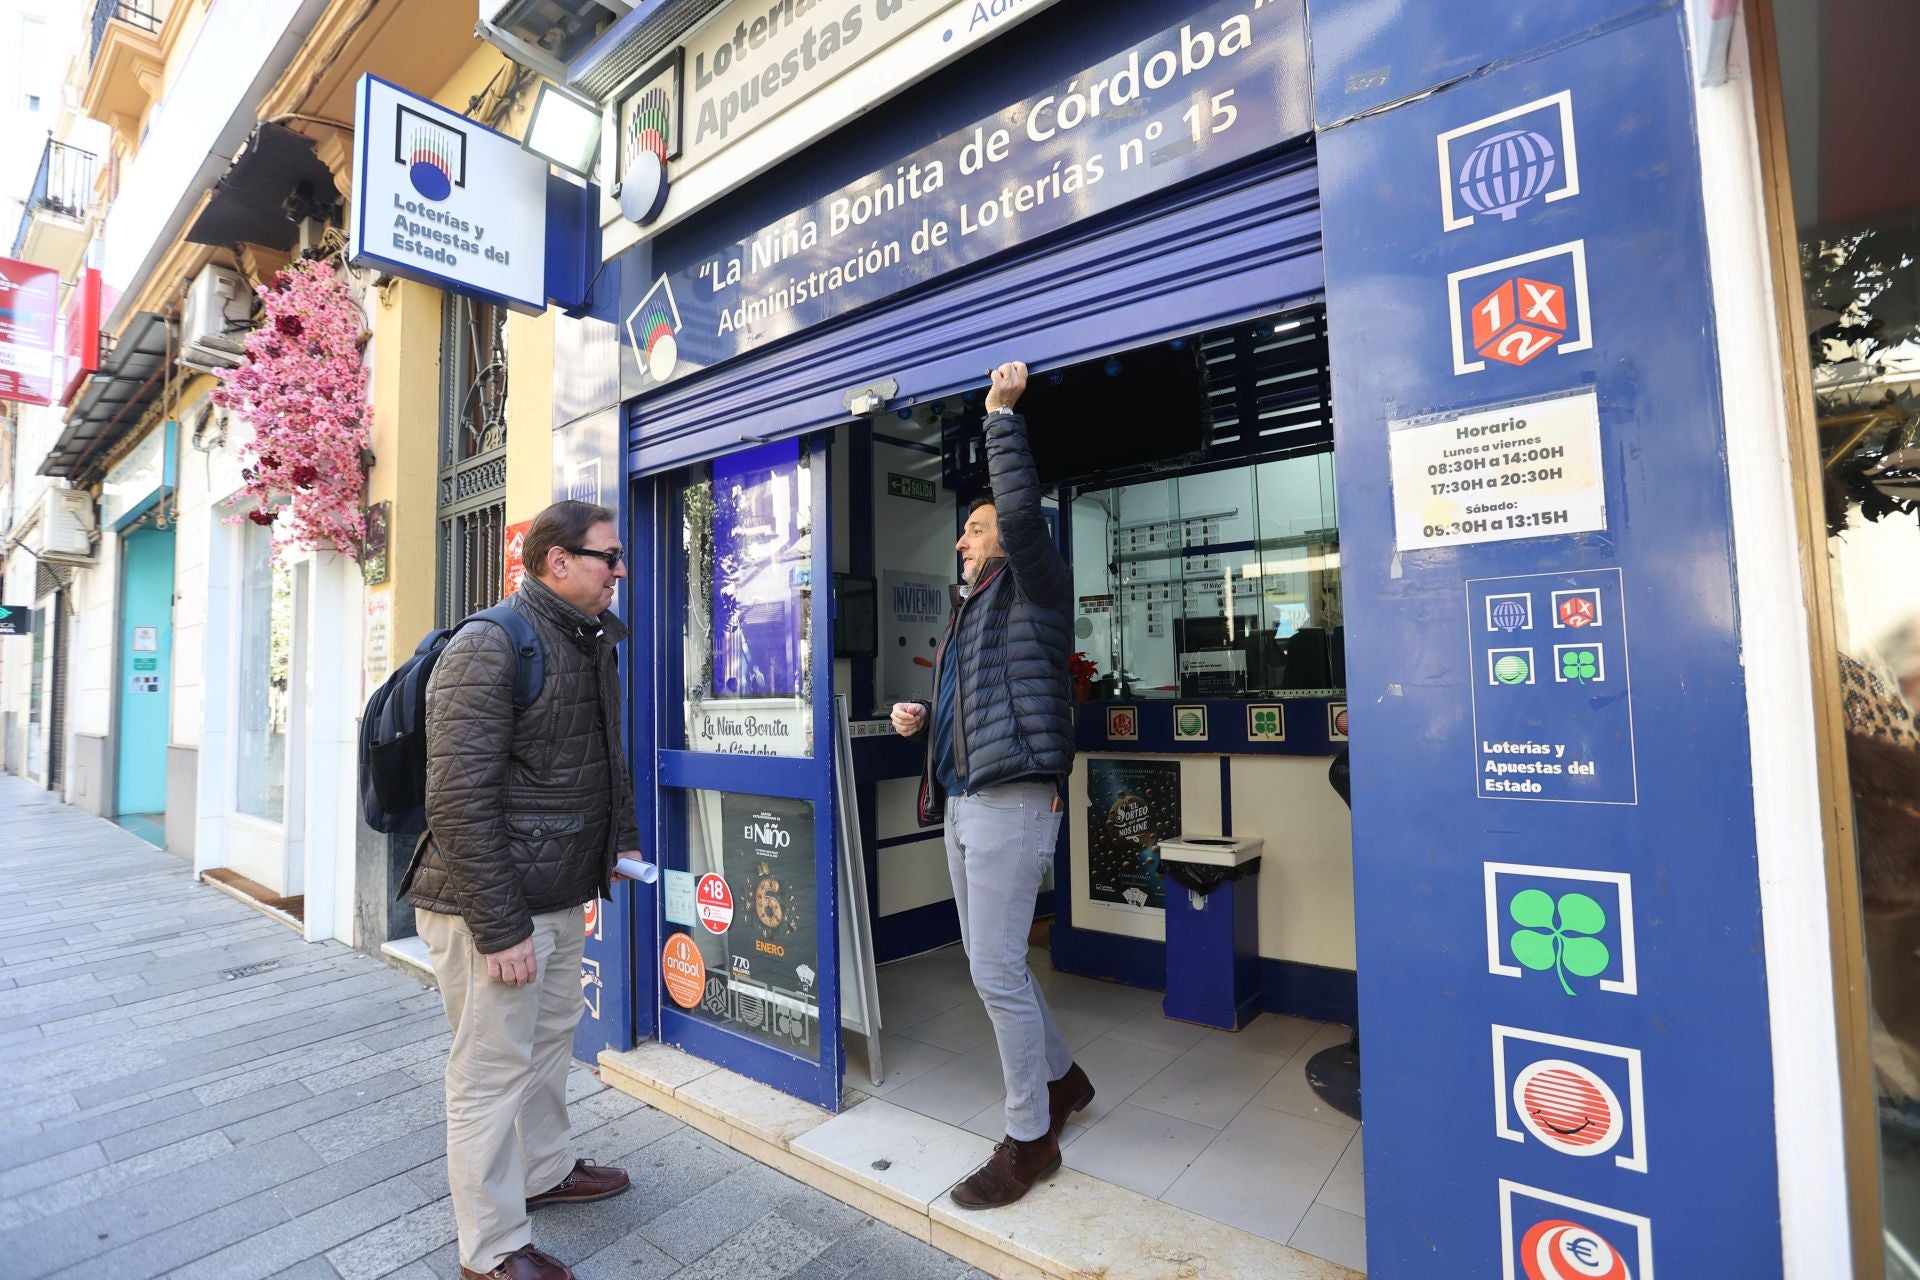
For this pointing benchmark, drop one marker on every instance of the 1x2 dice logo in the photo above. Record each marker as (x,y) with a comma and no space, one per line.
(1519,320)
(1517,309)
(1123,724)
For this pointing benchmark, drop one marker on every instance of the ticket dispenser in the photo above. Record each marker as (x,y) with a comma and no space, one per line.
(1213,929)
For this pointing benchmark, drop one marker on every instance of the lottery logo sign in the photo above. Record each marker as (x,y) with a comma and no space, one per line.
(1512,311)
(1497,166)
(1576,609)
(713,903)
(1547,1236)
(653,330)
(1569,928)
(1123,724)
(1580,1098)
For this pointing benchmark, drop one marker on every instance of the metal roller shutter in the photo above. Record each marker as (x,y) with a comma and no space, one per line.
(1233,248)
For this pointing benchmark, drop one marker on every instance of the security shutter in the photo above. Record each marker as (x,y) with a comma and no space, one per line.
(1239,246)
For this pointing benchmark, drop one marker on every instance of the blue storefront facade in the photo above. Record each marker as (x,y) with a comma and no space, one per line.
(1594,936)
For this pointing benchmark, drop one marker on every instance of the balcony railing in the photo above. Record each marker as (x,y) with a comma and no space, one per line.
(64,185)
(134,12)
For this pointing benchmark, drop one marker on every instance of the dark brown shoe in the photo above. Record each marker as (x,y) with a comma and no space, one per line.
(1009,1173)
(588,1181)
(1070,1093)
(524,1263)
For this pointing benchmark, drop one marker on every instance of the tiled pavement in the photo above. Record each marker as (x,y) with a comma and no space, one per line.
(162,1115)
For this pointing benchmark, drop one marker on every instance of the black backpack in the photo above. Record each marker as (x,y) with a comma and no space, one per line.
(393,732)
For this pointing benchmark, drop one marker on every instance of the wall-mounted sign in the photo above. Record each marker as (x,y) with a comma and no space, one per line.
(649,137)
(1149,106)
(29,304)
(447,201)
(749,65)
(377,657)
(1529,470)
(82,320)
(15,620)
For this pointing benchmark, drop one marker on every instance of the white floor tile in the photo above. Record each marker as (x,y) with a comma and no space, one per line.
(963,1027)
(1273,1033)
(903,1060)
(1208,1084)
(1289,1091)
(1262,1173)
(1139,1149)
(1344,1190)
(956,1090)
(1338,1237)
(893,1150)
(1155,1030)
(1117,1068)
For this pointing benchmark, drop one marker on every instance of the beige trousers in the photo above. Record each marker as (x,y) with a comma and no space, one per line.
(507,1130)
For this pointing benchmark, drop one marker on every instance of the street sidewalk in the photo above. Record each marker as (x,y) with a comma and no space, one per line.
(192,1090)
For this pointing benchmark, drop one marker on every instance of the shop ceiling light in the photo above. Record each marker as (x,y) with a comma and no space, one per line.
(564,130)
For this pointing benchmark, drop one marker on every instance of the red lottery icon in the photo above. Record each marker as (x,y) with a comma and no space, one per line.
(1519,320)
(1560,1250)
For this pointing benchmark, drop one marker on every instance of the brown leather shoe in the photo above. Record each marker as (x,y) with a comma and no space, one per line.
(524,1263)
(1070,1093)
(588,1181)
(1009,1173)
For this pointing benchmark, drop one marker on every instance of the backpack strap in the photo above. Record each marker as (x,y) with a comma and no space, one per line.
(530,676)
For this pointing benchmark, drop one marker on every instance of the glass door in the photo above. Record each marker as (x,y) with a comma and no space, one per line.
(749,964)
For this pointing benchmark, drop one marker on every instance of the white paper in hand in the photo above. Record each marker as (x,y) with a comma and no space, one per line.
(636,869)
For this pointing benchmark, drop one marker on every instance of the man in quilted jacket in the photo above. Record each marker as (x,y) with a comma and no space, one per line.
(527,813)
(999,748)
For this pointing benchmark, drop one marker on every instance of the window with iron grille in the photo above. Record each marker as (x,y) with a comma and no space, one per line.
(473,457)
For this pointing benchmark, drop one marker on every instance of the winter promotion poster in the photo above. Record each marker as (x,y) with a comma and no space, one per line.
(773,940)
(1132,805)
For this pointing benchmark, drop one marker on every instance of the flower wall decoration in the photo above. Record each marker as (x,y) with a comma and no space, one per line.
(303,386)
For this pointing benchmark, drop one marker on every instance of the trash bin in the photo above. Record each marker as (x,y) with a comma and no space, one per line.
(1213,929)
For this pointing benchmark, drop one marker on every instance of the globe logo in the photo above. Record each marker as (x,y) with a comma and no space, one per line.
(1505,171)
(430,165)
(1509,615)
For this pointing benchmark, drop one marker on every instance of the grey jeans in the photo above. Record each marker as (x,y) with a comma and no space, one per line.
(1000,841)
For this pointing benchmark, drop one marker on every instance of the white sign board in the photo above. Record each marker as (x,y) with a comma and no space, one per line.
(1529,470)
(445,200)
(748,66)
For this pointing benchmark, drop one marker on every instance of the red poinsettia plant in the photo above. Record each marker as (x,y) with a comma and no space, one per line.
(303,387)
(1083,671)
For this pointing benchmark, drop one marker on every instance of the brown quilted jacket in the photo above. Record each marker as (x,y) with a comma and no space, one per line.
(525,811)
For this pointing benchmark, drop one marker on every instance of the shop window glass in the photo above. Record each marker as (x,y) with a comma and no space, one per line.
(266,648)
(745,904)
(747,661)
(1212,585)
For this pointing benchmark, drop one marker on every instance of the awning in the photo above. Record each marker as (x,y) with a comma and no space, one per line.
(113,399)
(634,41)
(275,176)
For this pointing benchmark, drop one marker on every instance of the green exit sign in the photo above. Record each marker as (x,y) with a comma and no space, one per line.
(899,486)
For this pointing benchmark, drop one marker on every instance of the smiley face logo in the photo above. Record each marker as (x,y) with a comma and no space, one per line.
(1568,1107)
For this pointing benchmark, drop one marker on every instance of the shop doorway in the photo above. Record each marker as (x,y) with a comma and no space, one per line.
(143,699)
(748,969)
(1854,229)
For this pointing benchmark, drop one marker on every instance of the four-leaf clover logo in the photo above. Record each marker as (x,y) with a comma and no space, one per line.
(1579,664)
(1266,722)
(1557,935)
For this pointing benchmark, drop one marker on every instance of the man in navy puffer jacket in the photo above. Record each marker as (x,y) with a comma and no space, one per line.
(999,747)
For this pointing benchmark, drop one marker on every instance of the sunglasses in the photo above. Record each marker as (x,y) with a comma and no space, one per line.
(611,556)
